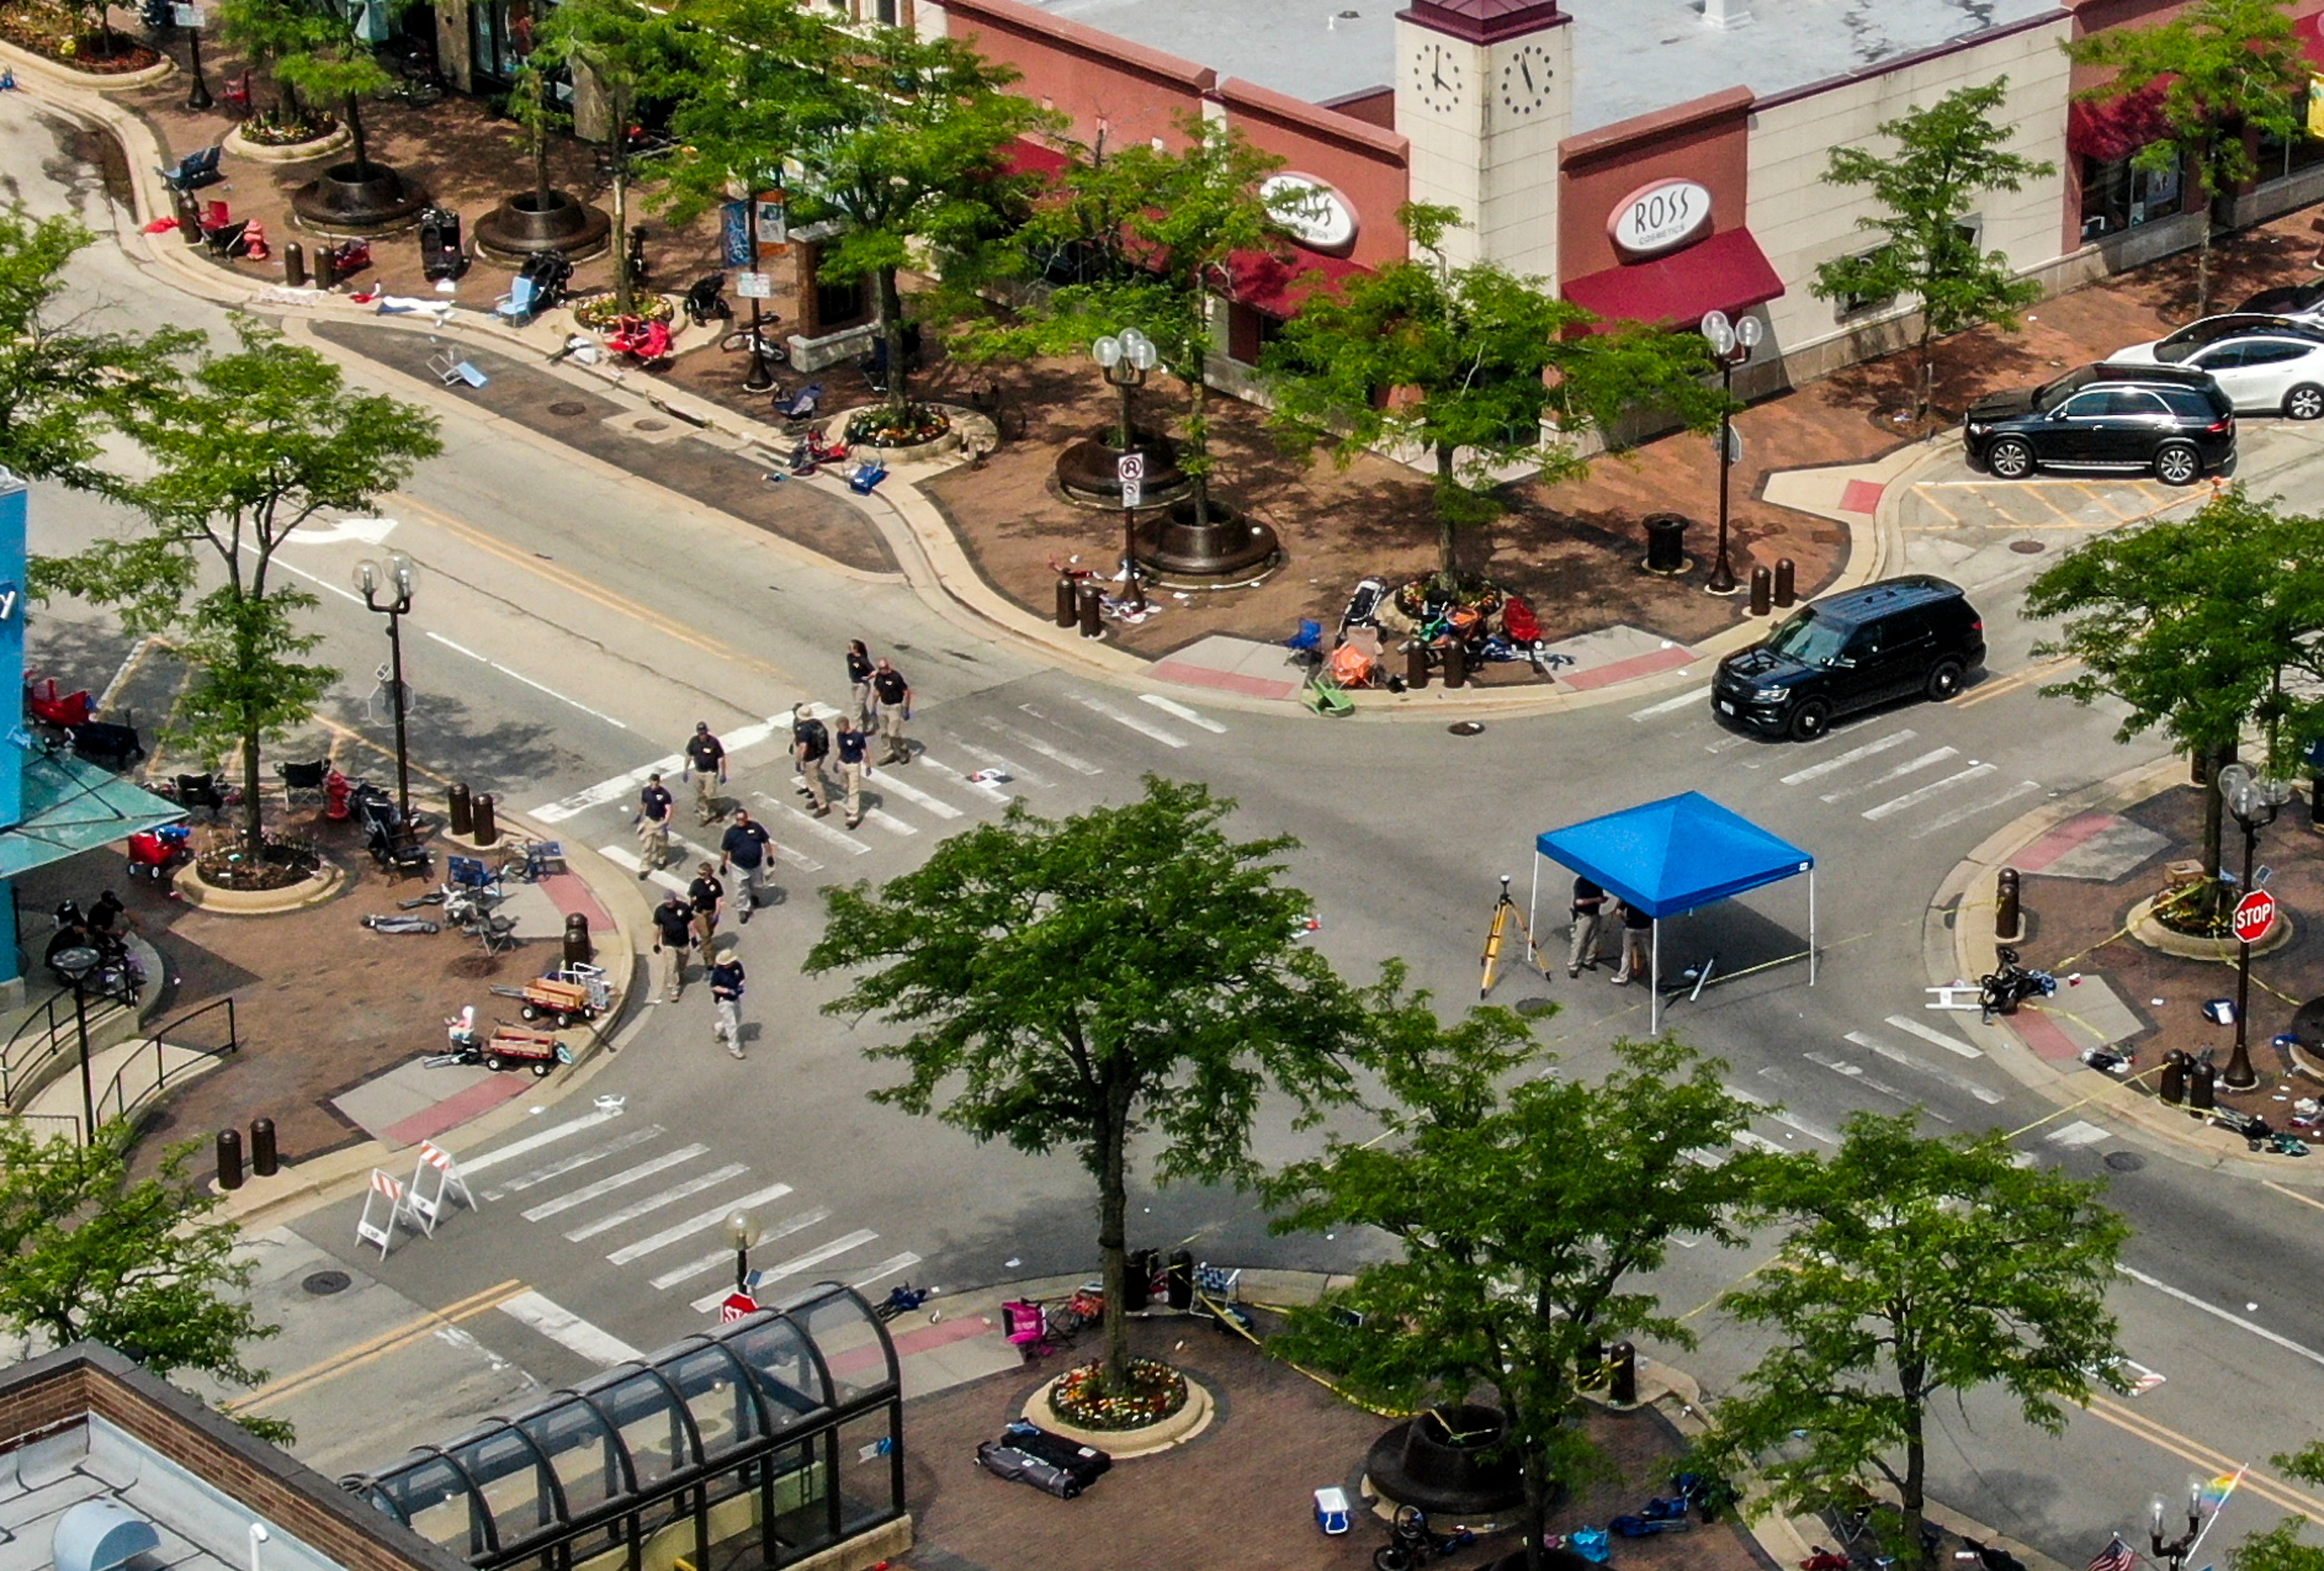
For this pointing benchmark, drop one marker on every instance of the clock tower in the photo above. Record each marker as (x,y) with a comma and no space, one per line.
(1484,93)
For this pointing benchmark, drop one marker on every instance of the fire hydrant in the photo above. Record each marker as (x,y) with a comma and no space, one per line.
(337,789)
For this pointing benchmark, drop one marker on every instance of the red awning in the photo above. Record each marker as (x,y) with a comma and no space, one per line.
(2111,129)
(2310,31)
(1727,272)
(1021,157)
(1277,284)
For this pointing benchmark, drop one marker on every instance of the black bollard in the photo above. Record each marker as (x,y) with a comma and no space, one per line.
(1762,591)
(190,218)
(1786,592)
(578,949)
(294,265)
(1138,1281)
(487,832)
(1416,665)
(1622,1376)
(2172,1088)
(1091,627)
(1182,1280)
(1066,614)
(264,1161)
(326,277)
(459,811)
(1665,543)
(2201,1082)
(1456,665)
(2008,916)
(229,1159)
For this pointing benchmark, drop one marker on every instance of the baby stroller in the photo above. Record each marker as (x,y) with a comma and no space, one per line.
(705,302)
(387,837)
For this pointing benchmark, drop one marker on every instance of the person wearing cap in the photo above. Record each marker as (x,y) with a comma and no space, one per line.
(708,897)
(673,925)
(726,979)
(894,696)
(742,853)
(706,767)
(652,822)
(810,743)
(850,744)
(859,681)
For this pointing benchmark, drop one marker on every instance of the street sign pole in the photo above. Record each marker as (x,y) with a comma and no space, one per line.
(2255,915)
(1131,470)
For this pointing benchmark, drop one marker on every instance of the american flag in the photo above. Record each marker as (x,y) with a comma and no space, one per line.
(2117,1556)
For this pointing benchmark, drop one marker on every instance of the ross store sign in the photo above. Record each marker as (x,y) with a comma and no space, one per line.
(1660,217)
(1315,214)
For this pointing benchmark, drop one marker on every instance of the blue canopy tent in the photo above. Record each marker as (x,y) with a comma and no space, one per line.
(1667,858)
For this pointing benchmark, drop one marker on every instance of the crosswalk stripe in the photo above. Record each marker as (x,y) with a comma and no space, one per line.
(1909,767)
(1947,819)
(887,1268)
(605,791)
(888,820)
(1047,750)
(1692,696)
(1192,717)
(1167,739)
(1937,1072)
(473,1165)
(627,860)
(990,792)
(612,1181)
(567,1329)
(800,859)
(1842,760)
(1015,771)
(657,1200)
(886,781)
(814,825)
(693,1224)
(2080,1132)
(579,1159)
(1930,1033)
(1897,804)
(797,1223)
(793,1266)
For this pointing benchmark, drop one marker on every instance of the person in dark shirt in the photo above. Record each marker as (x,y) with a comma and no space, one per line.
(1637,929)
(653,825)
(706,767)
(895,699)
(810,744)
(850,746)
(707,896)
(743,857)
(673,923)
(859,681)
(726,992)
(1588,912)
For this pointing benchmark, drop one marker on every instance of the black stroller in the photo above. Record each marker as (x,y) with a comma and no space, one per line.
(386,836)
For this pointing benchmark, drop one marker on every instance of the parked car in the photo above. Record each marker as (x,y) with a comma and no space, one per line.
(1894,638)
(2298,302)
(2269,365)
(2175,421)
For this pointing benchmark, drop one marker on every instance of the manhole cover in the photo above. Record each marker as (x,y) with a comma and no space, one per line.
(324,1283)
(2125,1161)
(569,409)
(2027,548)
(649,425)
(1466,727)
(1533,1008)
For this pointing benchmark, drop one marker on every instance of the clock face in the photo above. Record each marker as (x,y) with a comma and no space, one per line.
(1436,76)
(1526,80)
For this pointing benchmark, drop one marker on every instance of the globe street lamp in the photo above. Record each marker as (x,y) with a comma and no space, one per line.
(2254,800)
(1731,344)
(741,1232)
(1126,358)
(402,576)
(2173,1552)
(75,964)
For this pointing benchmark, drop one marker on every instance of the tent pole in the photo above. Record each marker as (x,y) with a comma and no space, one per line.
(1533,902)
(1654,980)
(1811,943)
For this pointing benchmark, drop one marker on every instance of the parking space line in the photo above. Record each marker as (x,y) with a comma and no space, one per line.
(1927,500)
(2097,497)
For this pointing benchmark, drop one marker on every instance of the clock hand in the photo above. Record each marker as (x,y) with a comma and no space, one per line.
(1437,76)
(1524,69)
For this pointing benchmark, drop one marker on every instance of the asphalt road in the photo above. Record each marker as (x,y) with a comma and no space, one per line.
(572,624)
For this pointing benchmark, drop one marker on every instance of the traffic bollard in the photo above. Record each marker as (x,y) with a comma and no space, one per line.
(487,832)
(2009,918)
(1182,1280)
(1622,1375)
(1091,628)
(229,1159)
(2172,1086)
(294,265)
(1456,665)
(1138,1281)
(1786,591)
(458,810)
(1763,591)
(1066,614)
(2201,1081)
(578,949)
(264,1161)
(1416,665)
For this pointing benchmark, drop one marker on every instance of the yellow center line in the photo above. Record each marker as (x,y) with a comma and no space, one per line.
(2024,676)
(378,1346)
(2275,1491)
(348,734)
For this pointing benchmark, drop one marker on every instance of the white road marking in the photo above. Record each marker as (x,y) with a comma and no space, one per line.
(2261,1332)
(1014,770)
(793,1266)
(657,1200)
(471,1165)
(887,1268)
(562,1326)
(605,791)
(716,1257)
(1947,819)
(629,861)
(1897,804)
(1047,750)
(1930,1033)
(1857,1073)
(319,583)
(1908,767)
(1812,1130)
(888,820)
(1841,761)
(885,780)
(812,825)
(1753,1137)
(612,1181)
(1170,706)
(2080,1132)
(1937,1072)
(990,792)
(1690,696)
(1732,739)
(800,859)
(1167,739)
(694,1224)
(528,682)
(563,1165)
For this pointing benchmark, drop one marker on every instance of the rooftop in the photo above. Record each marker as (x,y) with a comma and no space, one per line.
(1631,57)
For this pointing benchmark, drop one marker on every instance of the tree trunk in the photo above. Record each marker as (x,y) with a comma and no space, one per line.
(1927,394)
(539,159)
(1536,1500)
(2202,193)
(1196,459)
(1448,540)
(1113,1236)
(890,305)
(2214,758)
(355,132)
(617,106)
(1912,1496)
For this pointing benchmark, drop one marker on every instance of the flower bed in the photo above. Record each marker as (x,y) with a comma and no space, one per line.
(1156,1392)
(56,34)
(598,313)
(280,863)
(2193,911)
(271,129)
(884,426)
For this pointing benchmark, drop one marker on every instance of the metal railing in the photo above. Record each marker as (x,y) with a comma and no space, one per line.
(141,1079)
(27,1051)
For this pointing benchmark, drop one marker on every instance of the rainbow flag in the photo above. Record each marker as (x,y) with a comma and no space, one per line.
(2216,1493)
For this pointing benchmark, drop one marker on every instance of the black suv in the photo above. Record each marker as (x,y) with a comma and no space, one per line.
(1889,640)
(2174,420)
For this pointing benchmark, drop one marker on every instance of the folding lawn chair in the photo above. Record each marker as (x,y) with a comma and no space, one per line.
(1325,697)
(449,369)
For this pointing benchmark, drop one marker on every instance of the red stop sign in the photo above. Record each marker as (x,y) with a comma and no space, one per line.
(737,1307)
(2255,915)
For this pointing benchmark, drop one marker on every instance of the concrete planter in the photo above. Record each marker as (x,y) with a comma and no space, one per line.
(323,146)
(24,59)
(199,892)
(2147,930)
(1123,1445)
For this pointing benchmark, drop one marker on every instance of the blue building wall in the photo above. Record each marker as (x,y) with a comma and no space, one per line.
(13,743)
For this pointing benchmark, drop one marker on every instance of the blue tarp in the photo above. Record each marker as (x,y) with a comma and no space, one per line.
(1669,857)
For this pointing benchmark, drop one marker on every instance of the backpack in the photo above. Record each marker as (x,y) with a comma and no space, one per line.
(811,736)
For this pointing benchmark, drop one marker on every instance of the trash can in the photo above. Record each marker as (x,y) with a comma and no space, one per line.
(439,243)
(1665,543)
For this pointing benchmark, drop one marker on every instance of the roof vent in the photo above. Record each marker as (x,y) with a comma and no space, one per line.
(99,1535)
(1726,13)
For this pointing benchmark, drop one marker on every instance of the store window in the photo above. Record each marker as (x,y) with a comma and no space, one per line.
(2116,196)
(2278,159)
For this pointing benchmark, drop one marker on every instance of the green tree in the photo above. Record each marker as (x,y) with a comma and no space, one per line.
(2280,1548)
(1912,1270)
(1128,973)
(1523,1212)
(320,54)
(2222,69)
(630,50)
(1944,158)
(745,106)
(266,31)
(2202,627)
(259,441)
(904,144)
(63,385)
(88,1254)
(1468,363)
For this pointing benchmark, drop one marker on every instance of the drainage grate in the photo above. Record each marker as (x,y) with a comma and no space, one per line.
(569,409)
(324,1283)
(2027,548)
(649,425)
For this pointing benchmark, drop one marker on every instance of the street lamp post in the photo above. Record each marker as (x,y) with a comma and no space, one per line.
(1731,344)
(2254,799)
(741,1232)
(75,964)
(198,97)
(761,375)
(2174,1552)
(403,575)
(1126,358)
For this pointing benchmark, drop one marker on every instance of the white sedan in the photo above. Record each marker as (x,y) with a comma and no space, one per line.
(2267,364)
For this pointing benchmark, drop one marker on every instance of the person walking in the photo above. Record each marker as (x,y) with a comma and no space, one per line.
(742,855)
(673,924)
(850,747)
(809,744)
(1589,913)
(727,978)
(894,696)
(859,681)
(1637,928)
(706,767)
(654,805)
(707,896)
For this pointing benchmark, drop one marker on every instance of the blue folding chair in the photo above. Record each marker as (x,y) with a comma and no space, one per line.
(520,304)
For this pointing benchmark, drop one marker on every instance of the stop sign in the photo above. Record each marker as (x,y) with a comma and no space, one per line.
(737,1307)
(2255,915)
